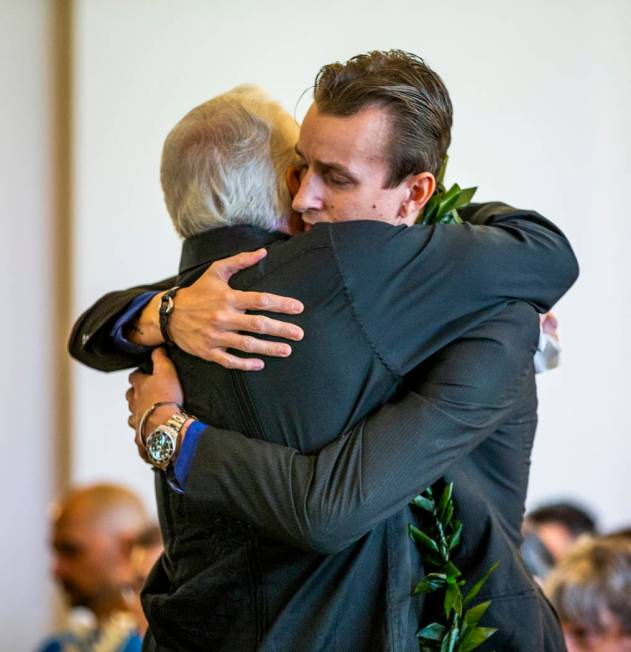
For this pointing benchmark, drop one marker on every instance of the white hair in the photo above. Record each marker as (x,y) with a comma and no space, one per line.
(224,163)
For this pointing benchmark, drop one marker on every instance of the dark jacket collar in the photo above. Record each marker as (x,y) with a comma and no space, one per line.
(222,242)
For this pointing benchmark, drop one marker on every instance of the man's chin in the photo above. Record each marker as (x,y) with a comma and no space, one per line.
(73,597)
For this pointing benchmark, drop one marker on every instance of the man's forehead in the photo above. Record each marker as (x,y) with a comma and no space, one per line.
(343,139)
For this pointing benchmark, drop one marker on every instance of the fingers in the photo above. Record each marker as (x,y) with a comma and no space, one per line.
(268,302)
(549,325)
(551,321)
(129,397)
(230,361)
(162,364)
(159,358)
(252,345)
(228,266)
(263,326)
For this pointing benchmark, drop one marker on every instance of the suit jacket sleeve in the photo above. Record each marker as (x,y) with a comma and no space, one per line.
(413,288)
(326,501)
(91,342)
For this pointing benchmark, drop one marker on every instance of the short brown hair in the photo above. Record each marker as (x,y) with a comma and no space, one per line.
(414,96)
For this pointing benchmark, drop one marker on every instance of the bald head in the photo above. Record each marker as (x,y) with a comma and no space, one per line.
(106,507)
(94,529)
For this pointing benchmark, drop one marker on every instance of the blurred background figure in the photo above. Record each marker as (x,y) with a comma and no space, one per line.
(145,553)
(94,531)
(591,591)
(549,533)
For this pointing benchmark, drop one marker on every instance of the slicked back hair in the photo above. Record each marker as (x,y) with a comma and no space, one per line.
(414,96)
(224,163)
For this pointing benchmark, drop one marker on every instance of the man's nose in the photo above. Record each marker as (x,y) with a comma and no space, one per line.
(308,197)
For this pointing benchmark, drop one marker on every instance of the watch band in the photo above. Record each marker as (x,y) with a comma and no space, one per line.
(147,413)
(166,308)
(177,420)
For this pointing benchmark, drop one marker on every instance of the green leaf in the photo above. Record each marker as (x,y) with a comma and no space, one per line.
(444,500)
(443,204)
(475,589)
(451,194)
(451,638)
(433,558)
(430,583)
(427,216)
(453,598)
(422,538)
(447,218)
(424,503)
(465,197)
(451,217)
(440,179)
(433,632)
(454,539)
(448,201)
(473,615)
(475,638)
(449,512)
(451,571)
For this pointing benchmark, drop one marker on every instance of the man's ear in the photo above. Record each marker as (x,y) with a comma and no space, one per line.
(420,187)
(126,542)
(292,179)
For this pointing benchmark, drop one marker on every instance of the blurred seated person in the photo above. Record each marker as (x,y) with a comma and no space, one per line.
(145,553)
(93,533)
(591,591)
(622,533)
(550,531)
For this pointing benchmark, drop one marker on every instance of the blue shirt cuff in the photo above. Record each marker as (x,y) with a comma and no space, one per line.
(135,307)
(181,469)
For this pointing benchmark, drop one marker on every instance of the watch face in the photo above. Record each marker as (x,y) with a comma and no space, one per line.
(161,445)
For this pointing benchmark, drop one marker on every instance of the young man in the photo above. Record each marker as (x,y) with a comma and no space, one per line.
(379,300)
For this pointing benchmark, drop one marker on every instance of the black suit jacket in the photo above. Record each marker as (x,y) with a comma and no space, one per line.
(379,302)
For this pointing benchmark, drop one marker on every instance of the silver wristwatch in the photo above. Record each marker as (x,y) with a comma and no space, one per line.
(163,444)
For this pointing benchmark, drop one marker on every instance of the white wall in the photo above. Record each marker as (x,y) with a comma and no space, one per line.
(541,92)
(25,328)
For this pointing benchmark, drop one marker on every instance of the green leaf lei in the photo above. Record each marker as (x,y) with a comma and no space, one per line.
(460,631)
(442,208)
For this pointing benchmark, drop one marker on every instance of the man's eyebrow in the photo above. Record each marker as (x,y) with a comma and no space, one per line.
(324,165)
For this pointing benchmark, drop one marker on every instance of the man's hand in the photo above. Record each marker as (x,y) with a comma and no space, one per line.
(146,389)
(549,325)
(547,355)
(208,314)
